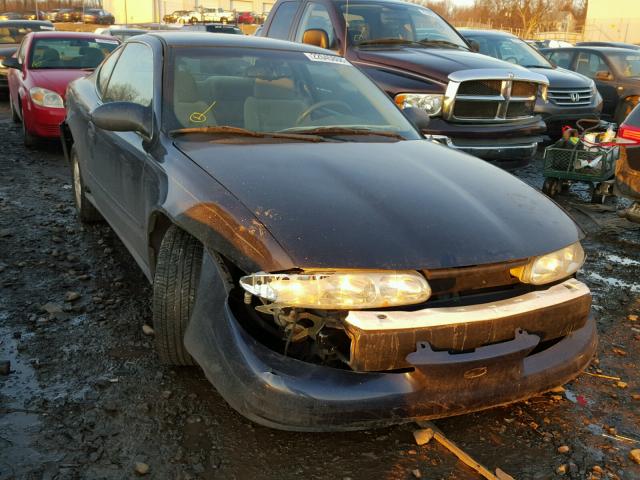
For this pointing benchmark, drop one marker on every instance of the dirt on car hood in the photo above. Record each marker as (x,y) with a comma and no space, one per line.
(404,205)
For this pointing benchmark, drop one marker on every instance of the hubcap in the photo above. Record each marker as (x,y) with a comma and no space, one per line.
(77,186)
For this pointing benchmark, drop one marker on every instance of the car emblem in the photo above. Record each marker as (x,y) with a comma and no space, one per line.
(575,97)
(511,75)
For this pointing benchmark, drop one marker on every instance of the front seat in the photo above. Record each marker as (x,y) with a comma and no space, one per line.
(273,106)
(188,107)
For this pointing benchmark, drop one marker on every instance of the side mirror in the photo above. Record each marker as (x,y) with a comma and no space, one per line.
(604,75)
(316,37)
(12,62)
(123,117)
(475,46)
(418,117)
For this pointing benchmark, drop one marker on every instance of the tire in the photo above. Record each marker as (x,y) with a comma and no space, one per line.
(87,213)
(551,187)
(15,118)
(174,291)
(30,140)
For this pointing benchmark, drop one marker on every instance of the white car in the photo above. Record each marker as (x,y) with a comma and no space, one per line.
(192,16)
(218,15)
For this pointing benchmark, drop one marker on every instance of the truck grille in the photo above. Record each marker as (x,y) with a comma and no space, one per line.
(491,100)
(570,97)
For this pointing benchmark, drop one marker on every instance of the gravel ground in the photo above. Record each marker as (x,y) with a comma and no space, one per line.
(86,397)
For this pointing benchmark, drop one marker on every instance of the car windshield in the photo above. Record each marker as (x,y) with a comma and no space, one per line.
(374,23)
(626,64)
(269,91)
(510,49)
(69,53)
(15,34)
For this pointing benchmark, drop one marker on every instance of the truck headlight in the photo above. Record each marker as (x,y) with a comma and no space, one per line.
(552,266)
(339,289)
(46,98)
(430,103)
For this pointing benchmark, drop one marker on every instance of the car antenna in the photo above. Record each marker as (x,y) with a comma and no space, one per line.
(346,28)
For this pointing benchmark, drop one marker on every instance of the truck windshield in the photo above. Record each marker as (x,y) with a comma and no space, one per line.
(509,49)
(271,91)
(373,23)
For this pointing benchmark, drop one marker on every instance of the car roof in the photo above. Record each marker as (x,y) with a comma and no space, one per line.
(593,48)
(25,23)
(485,33)
(205,39)
(60,34)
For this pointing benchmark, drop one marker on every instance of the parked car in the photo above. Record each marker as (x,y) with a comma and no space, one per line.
(616,72)
(50,14)
(121,33)
(68,15)
(571,96)
(40,71)
(11,16)
(213,28)
(98,16)
(630,46)
(11,34)
(349,317)
(219,15)
(627,178)
(189,17)
(246,17)
(422,61)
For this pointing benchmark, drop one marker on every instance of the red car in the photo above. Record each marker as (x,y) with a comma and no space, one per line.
(246,17)
(40,71)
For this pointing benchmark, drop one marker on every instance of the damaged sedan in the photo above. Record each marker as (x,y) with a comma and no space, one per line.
(325,265)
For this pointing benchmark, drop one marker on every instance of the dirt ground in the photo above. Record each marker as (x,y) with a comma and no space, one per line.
(86,398)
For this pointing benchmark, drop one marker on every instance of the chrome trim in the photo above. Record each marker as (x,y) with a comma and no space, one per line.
(443,139)
(571,97)
(539,300)
(498,74)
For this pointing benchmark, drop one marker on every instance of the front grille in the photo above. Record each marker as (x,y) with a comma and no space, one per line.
(481,87)
(492,100)
(570,97)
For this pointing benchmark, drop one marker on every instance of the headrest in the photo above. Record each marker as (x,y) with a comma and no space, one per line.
(185,88)
(231,88)
(281,88)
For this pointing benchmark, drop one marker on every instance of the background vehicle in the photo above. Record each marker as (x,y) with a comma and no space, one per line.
(630,46)
(189,17)
(213,28)
(571,96)
(173,16)
(421,61)
(98,16)
(217,15)
(246,17)
(11,16)
(39,74)
(616,72)
(68,15)
(121,33)
(11,34)
(210,191)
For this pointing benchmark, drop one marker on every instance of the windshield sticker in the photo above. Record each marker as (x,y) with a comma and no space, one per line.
(321,57)
(201,117)
(110,42)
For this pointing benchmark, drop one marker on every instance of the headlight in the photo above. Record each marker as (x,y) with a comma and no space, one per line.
(432,104)
(339,289)
(46,98)
(551,267)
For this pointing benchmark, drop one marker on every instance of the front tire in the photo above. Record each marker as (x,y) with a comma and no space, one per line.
(30,140)
(174,291)
(15,118)
(87,213)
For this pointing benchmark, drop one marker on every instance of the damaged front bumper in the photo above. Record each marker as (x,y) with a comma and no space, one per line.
(285,393)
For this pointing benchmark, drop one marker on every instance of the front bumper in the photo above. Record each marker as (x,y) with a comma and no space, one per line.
(44,122)
(556,116)
(285,393)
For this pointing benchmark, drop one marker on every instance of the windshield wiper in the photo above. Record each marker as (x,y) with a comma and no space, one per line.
(243,132)
(329,131)
(388,41)
(426,41)
(548,67)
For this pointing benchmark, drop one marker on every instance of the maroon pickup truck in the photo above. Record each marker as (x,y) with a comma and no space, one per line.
(477,104)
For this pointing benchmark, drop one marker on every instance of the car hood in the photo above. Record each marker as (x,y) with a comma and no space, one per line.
(561,78)
(56,80)
(402,205)
(435,63)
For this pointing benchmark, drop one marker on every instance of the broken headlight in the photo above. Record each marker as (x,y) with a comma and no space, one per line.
(339,289)
(552,266)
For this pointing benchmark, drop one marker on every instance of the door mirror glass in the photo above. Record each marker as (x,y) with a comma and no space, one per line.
(604,75)
(316,37)
(12,62)
(418,117)
(123,117)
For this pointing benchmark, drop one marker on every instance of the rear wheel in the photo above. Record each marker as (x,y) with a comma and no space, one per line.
(174,291)
(87,213)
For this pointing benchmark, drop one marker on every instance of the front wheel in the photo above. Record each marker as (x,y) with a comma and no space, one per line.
(174,291)
(30,140)
(15,118)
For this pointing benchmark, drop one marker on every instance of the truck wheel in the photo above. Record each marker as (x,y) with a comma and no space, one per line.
(87,213)
(174,292)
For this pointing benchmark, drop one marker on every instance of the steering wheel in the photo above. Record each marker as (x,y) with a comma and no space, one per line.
(322,104)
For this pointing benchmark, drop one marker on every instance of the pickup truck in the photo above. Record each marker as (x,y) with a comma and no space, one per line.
(478,104)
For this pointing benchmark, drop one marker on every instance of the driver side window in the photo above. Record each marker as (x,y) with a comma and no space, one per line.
(132,77)
(316,16)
